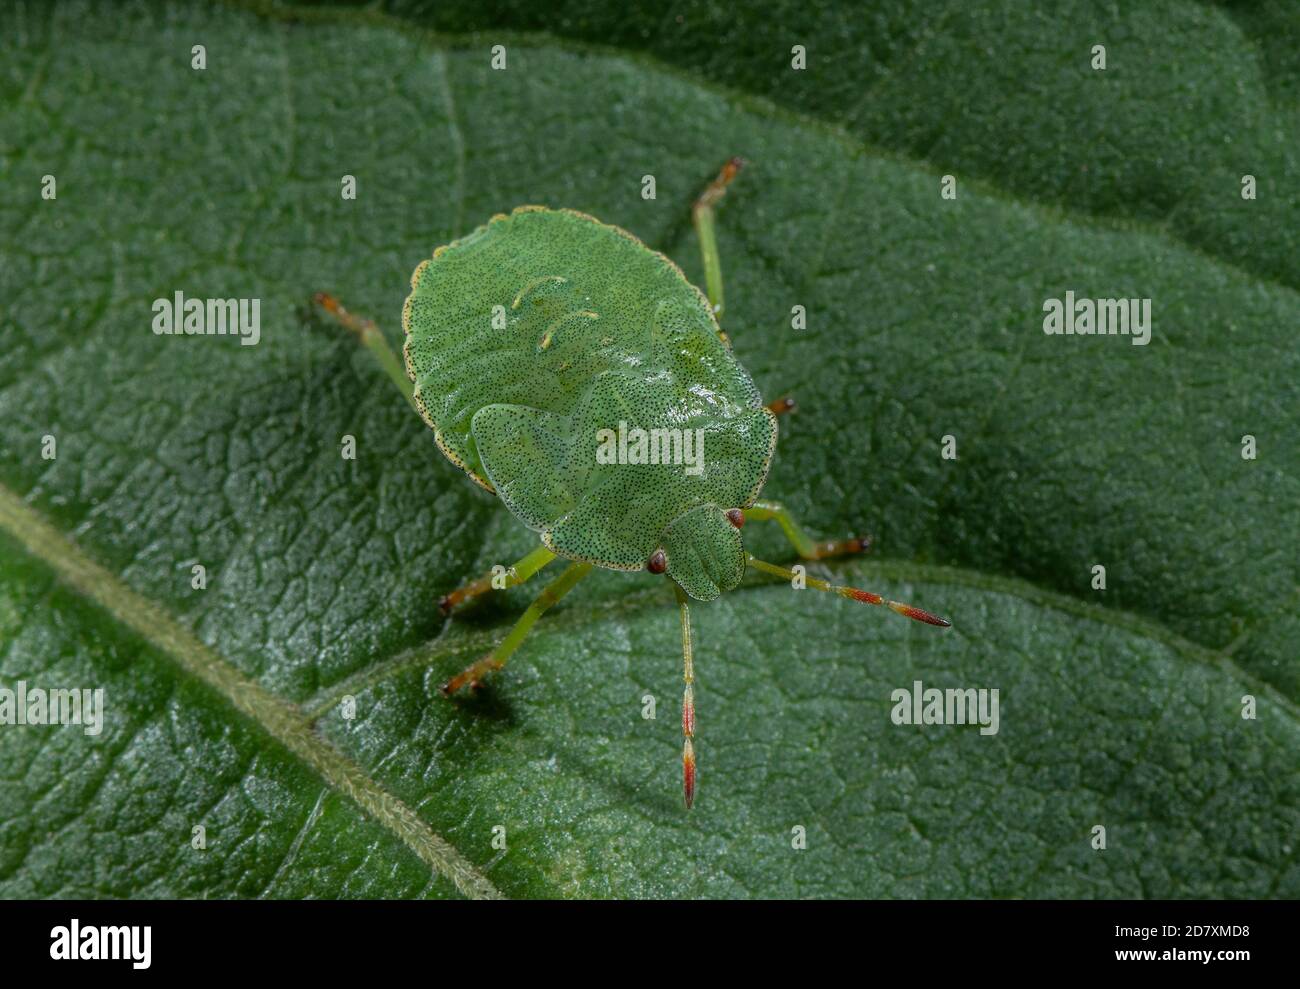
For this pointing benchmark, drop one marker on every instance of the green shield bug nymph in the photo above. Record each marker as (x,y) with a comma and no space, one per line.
(577,375)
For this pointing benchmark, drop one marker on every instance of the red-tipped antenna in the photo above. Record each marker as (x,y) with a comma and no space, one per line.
(853,593)
(688,700)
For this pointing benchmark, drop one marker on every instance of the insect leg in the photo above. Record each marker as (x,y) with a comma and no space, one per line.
(369,335)
(802,542)
(688,700)
(522,571)
(852,593)
(556,589)
(702,216)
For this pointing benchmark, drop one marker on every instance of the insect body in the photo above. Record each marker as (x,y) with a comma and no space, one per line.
(601,336)
(578,375)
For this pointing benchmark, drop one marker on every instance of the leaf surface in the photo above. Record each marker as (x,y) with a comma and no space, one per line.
(226,707)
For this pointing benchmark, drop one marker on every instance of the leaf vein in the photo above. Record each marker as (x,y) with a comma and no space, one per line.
(282,720)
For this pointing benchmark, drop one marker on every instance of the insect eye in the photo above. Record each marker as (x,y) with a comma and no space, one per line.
(658,562)
(736,517)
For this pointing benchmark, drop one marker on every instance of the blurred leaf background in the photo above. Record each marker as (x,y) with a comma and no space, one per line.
(1120,708)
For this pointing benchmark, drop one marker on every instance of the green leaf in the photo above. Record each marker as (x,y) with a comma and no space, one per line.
(225,707)
(1193,95)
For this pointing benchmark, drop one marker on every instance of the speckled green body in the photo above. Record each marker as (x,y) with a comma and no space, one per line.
(599,330)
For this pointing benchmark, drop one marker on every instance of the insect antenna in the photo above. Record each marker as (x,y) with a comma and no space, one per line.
(688,700)
(853,593)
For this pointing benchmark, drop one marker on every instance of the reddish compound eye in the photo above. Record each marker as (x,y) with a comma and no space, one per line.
(736,517)
(658,562)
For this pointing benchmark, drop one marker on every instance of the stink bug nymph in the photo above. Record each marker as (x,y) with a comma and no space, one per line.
(530,344)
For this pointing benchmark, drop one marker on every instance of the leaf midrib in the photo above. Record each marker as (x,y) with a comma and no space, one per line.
(57,551)
(293,727)
(283,721)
